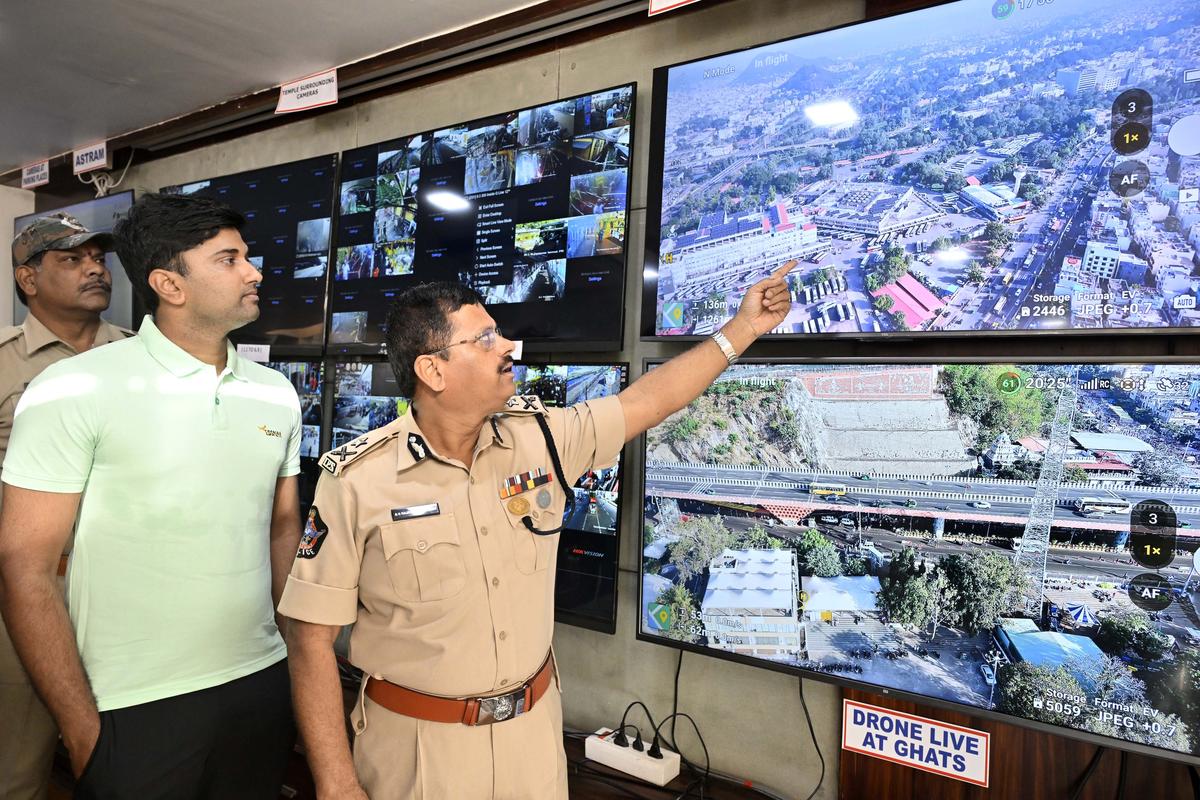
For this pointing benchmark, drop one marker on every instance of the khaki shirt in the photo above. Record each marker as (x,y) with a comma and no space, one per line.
(450,594)
(26,350)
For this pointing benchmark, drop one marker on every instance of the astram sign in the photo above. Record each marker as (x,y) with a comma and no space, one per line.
(919,742)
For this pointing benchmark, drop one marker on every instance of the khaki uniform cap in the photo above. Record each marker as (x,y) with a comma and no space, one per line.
(58,231)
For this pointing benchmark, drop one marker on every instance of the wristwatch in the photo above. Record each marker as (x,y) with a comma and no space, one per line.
(731,355)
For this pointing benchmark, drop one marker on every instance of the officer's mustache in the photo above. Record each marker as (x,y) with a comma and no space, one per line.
(507,365)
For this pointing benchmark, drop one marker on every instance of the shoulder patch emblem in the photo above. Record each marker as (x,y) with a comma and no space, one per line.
(313,536)
(524,404)
(339,458)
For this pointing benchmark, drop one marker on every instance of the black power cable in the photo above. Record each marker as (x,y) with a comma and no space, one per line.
(1087,773)
(675,701)
(702,780)
(813,735)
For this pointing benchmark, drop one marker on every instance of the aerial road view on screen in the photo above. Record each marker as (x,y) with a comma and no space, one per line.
(971,167)
(1018,538)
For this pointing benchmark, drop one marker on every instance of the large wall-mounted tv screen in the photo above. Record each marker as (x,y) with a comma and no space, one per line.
(1019,539)
(100,214)
(308,377)
(366,396)
(976,166)
(528,207)
(289,219)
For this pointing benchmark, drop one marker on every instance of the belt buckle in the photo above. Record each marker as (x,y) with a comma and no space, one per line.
(501,707)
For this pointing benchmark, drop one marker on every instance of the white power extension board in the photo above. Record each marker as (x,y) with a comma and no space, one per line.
(599,747)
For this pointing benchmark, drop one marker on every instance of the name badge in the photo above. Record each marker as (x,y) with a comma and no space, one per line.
(413,512)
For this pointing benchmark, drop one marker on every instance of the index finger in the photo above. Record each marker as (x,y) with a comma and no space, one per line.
(784,270)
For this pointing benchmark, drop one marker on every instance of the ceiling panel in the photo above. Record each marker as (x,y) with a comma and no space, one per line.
(76,72)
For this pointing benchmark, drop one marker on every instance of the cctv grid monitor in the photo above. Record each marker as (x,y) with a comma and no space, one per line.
(100,214)
(289,218)
(366,396)
(979,166)
(308,378)
(528,207)
(872,524)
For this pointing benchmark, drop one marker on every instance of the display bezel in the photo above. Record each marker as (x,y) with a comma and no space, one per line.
(850,683)
(547,345)
(653,228)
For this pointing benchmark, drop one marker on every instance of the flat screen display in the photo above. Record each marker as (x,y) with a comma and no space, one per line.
(366,397)
(528,207)
(585,591)
(100,214)
(308,377)
(976,166)
(289,221)
(1019,539)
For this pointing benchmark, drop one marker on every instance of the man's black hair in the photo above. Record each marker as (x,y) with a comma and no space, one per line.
(34,262)
(419,322)
(159,228)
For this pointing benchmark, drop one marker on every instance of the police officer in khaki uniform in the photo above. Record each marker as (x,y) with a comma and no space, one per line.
(436,536)
(59,270)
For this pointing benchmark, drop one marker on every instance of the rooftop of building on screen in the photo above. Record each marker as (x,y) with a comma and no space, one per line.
(889,522)
(901,138)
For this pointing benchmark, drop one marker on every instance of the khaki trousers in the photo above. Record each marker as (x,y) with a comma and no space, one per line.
(28,735)
(401,758)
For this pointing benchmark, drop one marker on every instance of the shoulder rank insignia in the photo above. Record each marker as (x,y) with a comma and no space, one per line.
(524,404)
(335,461)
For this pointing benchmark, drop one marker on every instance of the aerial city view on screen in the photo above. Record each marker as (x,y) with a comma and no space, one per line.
(1010,537)
(976,166)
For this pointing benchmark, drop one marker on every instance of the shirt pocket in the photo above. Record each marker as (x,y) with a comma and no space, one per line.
(534,553)
(424,558)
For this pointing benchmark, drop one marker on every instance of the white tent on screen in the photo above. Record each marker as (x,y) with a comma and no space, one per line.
(1082,615)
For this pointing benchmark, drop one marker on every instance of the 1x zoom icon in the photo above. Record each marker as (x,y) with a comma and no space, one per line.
(1152,534)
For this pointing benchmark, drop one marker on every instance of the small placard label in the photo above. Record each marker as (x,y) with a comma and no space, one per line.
(255,352)
(918,742)
(35,175)
(91,158)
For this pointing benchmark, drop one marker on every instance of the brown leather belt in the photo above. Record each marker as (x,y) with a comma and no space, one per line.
(468,711)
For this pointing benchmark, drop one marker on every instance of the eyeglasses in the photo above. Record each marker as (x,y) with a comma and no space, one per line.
(487,340)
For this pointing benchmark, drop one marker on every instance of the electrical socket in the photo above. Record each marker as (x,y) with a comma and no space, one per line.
(599,747)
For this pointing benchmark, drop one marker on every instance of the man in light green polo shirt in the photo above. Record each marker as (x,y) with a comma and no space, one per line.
(179,459)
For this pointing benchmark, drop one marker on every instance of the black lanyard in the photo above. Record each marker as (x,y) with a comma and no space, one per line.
(558,473)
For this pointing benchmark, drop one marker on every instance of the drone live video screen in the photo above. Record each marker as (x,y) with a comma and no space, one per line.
(367,397)
(288,220)
(976,166)
(527,207)
(309,381)
(1017,538)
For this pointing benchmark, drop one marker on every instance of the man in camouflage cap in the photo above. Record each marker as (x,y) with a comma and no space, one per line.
(60,275)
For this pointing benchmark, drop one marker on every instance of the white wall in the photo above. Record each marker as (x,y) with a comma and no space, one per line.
(13,203)
(750,718)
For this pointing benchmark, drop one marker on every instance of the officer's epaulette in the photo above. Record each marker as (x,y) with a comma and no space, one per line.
(335,461)
(524,404)
(9,333)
